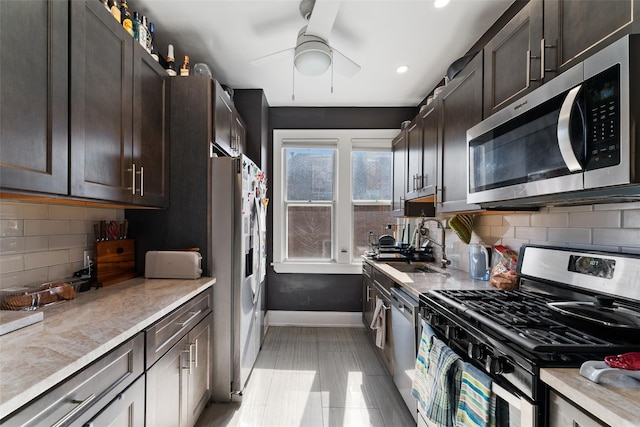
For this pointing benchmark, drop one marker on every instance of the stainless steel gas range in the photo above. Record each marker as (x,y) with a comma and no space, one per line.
(571,306)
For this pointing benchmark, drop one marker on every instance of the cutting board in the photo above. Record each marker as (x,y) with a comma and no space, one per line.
(12,320)
(115,261)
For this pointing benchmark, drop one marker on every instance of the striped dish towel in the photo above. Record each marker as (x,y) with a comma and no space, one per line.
(379,323)
(444,370)
(419,389)
(474,406)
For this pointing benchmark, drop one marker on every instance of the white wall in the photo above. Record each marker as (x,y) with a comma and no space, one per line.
(612,227)
(43,242)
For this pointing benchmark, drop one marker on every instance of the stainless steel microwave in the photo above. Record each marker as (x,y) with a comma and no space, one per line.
(572,140)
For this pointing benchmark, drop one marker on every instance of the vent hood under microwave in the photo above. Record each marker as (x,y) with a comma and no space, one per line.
(571,141)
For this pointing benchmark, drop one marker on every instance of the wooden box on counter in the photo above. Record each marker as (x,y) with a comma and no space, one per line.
(115,261)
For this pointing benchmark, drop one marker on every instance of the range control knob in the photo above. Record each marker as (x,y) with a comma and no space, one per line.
(498,365)
(476,351)
(433,319)
(451,332)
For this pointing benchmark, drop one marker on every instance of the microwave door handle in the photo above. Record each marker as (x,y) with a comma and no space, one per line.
(564,138)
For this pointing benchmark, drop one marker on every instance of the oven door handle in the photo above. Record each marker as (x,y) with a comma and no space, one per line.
(564,137)
(528,411)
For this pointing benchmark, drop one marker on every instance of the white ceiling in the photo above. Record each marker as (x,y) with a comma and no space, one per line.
(379,35)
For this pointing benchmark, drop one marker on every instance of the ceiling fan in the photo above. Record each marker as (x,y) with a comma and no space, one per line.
(312,54)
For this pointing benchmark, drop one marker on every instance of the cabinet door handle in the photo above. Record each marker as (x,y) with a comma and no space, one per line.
(543,47)
(82,404)
(368,294)
(195,354)
(529,79)
(141,173)
(188,353)
(132,169)
(193,314)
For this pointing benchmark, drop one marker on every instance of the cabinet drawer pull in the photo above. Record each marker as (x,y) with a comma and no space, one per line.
(82,404)
(368,294)
(193,314)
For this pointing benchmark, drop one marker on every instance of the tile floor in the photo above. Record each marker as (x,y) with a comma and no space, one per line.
(308,377)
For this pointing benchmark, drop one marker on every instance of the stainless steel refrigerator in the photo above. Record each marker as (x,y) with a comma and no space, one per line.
(238,254)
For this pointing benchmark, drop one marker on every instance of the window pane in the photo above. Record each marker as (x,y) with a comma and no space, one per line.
(372,178)
(309,232)
(310,174)
(365,219)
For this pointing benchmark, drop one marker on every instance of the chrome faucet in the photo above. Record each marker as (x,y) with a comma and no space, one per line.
(443,261)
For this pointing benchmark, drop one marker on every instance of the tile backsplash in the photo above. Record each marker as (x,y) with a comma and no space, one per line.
(43,242)
(609,227)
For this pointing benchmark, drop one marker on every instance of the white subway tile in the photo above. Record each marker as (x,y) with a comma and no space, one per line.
(67,241)
(531,233)
(11,245)
(45,259)
(596,219)
(45,227)
(11,280)
(75,254)
(487,220)
(35,211)
(560,219)
(517,220)
(59,271)
(11,228)
(503,231)
(35,276)
(81,227)
(569,235)
(10,210)
(11,263)
(67,212)
(616,237)
(556,209)
(631,219)
(617,206)
(36,244)
(107,214)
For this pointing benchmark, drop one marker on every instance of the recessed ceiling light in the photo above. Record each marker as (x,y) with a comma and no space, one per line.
(441,3)
(402,69)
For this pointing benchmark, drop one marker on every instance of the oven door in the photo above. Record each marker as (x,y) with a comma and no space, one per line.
(513,410)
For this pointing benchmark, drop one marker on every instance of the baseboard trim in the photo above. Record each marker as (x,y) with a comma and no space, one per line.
(315,318)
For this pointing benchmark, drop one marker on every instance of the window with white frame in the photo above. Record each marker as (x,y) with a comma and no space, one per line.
(331,188)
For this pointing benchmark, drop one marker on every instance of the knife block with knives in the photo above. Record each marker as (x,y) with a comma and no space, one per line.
(114,261)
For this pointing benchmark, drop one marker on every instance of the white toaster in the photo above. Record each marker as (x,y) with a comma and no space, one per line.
(172,265)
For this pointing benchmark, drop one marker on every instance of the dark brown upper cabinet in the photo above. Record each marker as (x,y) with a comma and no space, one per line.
(573,30)
(34,102)
(460,105)
(413,180)
(150,129)
(512,58)
(116,155)
(399,153)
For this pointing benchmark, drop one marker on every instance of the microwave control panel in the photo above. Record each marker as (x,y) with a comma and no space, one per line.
(602,105)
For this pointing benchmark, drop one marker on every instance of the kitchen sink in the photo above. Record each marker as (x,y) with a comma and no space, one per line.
(411,268)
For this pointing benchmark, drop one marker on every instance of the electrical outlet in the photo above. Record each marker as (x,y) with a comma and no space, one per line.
(86,258)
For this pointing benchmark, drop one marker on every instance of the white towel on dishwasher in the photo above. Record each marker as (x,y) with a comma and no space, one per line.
(379,322)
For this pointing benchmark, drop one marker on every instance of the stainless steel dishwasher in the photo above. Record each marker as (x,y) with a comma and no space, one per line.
(404,312)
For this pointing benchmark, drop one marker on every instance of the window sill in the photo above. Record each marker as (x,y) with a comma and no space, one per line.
(317,268)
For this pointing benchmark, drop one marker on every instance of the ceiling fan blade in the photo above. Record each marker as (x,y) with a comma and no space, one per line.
(322,18)
(343,65)
(282,54)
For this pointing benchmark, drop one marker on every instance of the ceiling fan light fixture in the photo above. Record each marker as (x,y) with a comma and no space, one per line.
(312,58)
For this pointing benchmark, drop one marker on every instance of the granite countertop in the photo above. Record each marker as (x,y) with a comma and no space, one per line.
(417,283)
(615,405)
(77,332)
